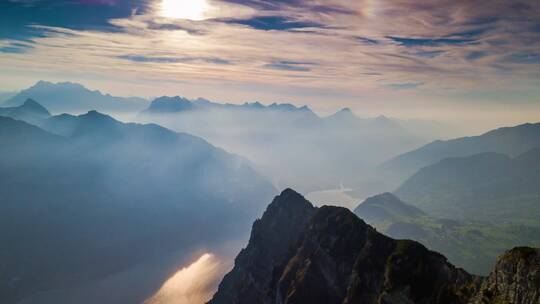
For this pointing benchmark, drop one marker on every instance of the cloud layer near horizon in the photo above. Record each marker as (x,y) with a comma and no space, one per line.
(380,54)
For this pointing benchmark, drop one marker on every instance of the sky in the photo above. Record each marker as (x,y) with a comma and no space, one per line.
(475,60)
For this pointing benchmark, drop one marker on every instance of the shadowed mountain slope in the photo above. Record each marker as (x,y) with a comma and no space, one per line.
(103,197)
(288,143)
(489,186)
(473,245)
(30,111)
(511,141)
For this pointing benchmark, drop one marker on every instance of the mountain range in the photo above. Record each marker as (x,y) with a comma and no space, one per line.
(87,197)
(177,104)
(68,97)
(285,142)
(301,254)
(511,141)
(290,144)
(89,200)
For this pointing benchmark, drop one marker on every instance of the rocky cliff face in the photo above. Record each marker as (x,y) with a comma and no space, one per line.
(515,279)
(272,238)
(300,254)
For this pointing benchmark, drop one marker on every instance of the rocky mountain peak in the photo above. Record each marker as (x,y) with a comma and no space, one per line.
(166,104)
(328,255)
(269,245)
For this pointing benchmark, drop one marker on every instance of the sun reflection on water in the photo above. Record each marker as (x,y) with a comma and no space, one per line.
(194,284)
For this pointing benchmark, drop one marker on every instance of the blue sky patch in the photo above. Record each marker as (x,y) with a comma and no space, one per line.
(268,23)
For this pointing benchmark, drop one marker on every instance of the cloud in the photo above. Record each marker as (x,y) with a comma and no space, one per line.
(412,42)
(317,51)
(524,58)
(404,86)
(15,47)
(474,55)
(367,41)
(152,25)
(268,23)
(158,59)
(290,66)
(429,54)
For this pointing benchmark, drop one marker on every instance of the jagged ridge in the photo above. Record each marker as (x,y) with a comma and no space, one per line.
(336,258)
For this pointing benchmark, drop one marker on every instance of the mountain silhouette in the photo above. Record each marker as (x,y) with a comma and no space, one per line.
(30,111)
(511,141)
(74,98)
(91,197)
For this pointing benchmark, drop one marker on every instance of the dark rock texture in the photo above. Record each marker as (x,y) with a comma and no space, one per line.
(300,254)
(515,279)
(271,239)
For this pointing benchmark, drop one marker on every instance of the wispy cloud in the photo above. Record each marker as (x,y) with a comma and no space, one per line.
(412,42)
(160,59)
(404,86)
(340,48)
(290,66)
(268,23)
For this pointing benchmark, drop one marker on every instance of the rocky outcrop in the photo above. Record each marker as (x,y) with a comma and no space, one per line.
(300,254)
(515,279)
(272,238)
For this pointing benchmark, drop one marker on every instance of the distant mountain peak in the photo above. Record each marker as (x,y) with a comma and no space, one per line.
(283,107)
(172,99)
(385,206)
(249,105)
(30,111)
(168,104)
(386,121)
(30,102)
(41,83)
(344,115)
(176,104)
(95,121)
(345,112)
(95,115)
(66,85)
(65,97)
(387,197)
(34,106)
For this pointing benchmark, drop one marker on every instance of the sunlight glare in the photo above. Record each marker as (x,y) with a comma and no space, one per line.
(193,284)
(184,9)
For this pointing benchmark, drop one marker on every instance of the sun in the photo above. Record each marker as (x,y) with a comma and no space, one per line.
(184,9)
